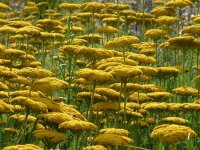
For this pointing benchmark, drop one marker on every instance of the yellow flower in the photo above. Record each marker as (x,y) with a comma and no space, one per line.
(158,2)
(153,88)
(5,108)
(116,6)
(85,96)
(4,7)
(178,3)
(94,76)
(116,131)
(19,24)
(78,126)
(171,133)
(124,72)
(110,94)
(90,38)
(30,104)
(92,6)
(160,95)
(56,118)
(7,30)
(155,33)
(105,106)
(175,120)
(141,58)
(21,118)
(69,6)
(49,84)
(34,73)
(107,30)
(185,91)
(122,41)
(130,105)
(193,29)
(141,98)
(154,106)
(113,20)
(22,147)
(112,140)
(29,30)
(161,11)
(25,93)
(121,60)
(96,147)
(167,20)
(50,136)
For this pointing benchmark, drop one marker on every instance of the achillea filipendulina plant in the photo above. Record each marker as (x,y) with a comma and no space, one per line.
(172,134)
(185,92)
(175,120)
(95,77)
(49,85)
(77,127)
(95,147)
(50,138)
(23,146)
(113,140)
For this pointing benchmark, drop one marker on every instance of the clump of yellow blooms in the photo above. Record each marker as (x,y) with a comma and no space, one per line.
(172,134)
(96,147)
(175,120)
(49,135)
(22,147)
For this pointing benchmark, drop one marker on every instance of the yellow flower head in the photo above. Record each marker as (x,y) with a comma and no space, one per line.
(171,133)
(122,41)
(22,147)
(178,3)
(34,73)
(29,30)
(78,126)
(193,29)
(49,84)
(107,30)
(153,88)
(96,147)
(110,94)
(30,104)
(155,106)
(161,11)
(85,96)
(5,108)
(69,6)
(116,6)
(7,30)
(50,136)
(141,98)
(4,7)
(92,6)
(21,118)
(185,91)
(175,120)
(105,106)
(94,76)
(160,95)
(141,58)
(112,140)
(167,20)
(155,33)
(184,42)
(158,2)
(125,72)
(116,131)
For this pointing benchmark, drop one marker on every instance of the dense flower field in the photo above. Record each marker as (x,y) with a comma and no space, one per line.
(113,75)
